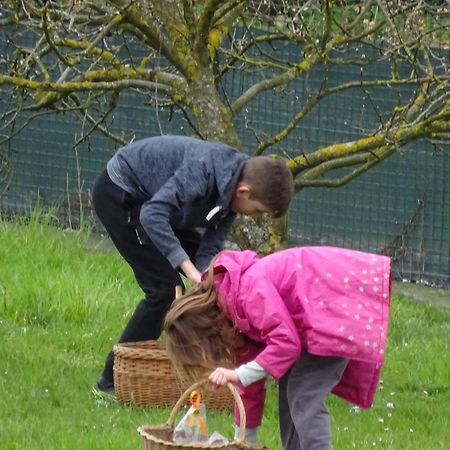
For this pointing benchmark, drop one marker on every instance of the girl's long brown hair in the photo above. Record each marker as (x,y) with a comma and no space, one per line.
(199,337)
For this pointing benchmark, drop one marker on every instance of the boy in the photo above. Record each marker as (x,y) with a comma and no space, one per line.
(153,197)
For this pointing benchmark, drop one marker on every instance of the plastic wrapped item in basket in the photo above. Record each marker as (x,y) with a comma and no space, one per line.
(144,375)
(159,437)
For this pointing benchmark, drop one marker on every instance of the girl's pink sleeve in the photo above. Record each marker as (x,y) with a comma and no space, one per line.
(268,316)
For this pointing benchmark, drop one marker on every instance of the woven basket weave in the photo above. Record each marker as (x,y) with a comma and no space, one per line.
(159,437)
(144,375)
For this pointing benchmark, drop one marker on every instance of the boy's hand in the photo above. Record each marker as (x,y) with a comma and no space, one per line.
(221,376)
(191,271)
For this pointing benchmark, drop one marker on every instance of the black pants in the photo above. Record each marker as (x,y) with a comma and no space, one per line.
(119,213)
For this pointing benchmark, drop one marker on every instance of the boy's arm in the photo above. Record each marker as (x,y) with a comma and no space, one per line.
(184,187)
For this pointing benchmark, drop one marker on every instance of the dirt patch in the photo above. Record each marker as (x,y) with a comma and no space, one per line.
(424,294)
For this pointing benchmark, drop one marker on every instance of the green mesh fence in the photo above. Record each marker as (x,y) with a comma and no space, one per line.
(399,208)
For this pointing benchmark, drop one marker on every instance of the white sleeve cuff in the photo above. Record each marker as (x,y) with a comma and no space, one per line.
(250,372)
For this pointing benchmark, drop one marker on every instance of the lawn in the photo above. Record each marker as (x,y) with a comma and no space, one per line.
(64,298)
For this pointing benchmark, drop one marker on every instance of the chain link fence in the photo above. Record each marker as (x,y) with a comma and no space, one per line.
(399,208)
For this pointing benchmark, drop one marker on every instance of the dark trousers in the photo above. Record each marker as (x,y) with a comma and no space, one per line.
(304,417)
(119,214)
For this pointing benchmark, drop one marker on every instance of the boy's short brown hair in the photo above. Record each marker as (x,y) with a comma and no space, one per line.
(271,182)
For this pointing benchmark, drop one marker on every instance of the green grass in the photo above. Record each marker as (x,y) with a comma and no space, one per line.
(64,299)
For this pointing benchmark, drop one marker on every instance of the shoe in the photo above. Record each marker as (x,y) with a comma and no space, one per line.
(104,390)
(105,385)
(103,396)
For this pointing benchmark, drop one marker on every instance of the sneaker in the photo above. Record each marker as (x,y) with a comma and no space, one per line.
(105,385)
(103,396)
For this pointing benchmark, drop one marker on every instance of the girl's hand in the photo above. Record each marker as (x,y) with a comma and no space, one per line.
(221,376)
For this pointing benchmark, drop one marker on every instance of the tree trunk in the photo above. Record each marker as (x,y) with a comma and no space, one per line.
(214,119)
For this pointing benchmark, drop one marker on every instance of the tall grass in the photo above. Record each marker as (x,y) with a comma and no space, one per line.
(64,298)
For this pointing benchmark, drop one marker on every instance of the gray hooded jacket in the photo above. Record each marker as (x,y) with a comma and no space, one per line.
(181,183)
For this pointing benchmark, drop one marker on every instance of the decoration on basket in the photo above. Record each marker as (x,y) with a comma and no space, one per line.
(196,401)
(192,427)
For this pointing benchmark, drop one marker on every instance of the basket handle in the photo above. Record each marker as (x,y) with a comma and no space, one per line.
(182,400)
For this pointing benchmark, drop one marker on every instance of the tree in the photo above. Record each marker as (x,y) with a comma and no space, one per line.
(80,61)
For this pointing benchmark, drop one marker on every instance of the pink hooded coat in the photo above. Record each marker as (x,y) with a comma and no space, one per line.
(329,301)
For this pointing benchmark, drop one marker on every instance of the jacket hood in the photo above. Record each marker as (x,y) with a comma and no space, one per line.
(227,172)
(229,268)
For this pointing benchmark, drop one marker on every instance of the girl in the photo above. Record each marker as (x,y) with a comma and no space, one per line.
(314,318)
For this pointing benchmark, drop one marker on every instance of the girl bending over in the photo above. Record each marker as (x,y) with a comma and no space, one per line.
(314,318)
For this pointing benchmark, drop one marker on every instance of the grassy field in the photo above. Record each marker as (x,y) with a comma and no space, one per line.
(63,302)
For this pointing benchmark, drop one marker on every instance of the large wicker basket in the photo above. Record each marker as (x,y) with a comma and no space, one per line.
(144,375)
(159,437)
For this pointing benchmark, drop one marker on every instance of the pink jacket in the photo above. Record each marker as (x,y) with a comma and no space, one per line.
(329,301)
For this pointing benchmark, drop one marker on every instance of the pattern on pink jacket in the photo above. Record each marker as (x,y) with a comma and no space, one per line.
(329,301)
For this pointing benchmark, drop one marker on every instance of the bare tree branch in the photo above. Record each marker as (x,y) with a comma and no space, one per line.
(79,56)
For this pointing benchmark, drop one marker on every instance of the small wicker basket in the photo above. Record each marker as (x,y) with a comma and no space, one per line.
(159,437)
(144,375)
